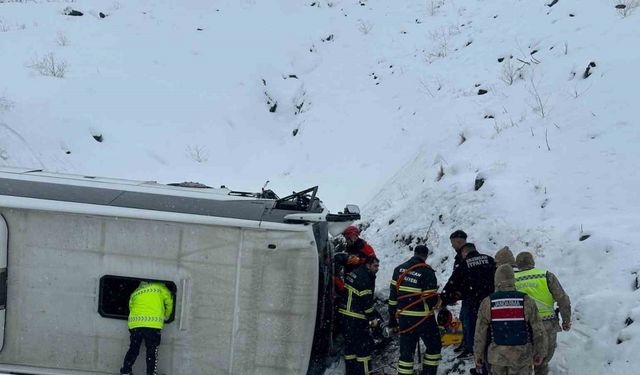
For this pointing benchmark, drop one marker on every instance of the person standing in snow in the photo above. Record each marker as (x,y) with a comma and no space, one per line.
(545,289)
(517,336)
(472,281)
(150,305)
(357,315)
(458,239)
(413,298)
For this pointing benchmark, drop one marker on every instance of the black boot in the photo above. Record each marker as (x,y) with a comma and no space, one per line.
(428,370)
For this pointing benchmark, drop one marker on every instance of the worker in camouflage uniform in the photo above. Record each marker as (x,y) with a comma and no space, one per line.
(517,339)
(150,305)
(545,289)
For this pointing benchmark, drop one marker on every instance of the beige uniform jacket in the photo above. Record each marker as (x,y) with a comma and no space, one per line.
(502,355)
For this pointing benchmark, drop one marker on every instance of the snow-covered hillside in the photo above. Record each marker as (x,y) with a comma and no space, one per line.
(401,104)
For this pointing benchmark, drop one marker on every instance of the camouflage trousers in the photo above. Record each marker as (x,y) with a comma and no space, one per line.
(551,328)
(510,370)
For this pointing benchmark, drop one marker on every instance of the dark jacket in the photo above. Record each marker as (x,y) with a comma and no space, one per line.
(420,279)
(451,291)
(357,299)
(472,280)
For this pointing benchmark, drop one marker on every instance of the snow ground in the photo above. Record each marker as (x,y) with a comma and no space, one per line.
(383,100)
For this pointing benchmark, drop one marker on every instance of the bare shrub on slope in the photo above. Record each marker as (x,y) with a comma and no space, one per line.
(49,66)
(626,7)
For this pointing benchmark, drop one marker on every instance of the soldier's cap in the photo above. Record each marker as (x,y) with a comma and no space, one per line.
(458,234)
(525,260)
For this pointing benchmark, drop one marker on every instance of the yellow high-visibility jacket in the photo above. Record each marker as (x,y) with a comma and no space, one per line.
(150,305)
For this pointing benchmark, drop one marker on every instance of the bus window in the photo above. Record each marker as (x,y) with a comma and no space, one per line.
(4,243)
(115,292)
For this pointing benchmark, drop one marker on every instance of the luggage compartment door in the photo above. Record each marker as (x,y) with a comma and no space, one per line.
(4,243)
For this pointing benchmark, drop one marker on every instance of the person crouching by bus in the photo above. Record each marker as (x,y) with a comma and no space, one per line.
(356,309)
(150,305)
(358,250)
(357,253)
(517,339)
(412,299)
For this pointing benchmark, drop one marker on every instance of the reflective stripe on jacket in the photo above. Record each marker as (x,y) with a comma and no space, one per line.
(150,306)
(357,299)
(418,280)
(534,283)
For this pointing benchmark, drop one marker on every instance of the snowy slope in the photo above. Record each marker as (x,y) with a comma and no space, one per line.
(377,101)
(549,179)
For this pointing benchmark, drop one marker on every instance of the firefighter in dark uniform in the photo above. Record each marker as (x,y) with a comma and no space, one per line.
(357,314)
(412,298)
(356,254)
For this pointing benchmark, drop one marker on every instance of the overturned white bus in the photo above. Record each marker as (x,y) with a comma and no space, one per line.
(250,274)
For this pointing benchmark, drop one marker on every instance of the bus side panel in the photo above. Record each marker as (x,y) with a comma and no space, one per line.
(51,293)
(256,316)
(55,263)
(277,303)
(209,256)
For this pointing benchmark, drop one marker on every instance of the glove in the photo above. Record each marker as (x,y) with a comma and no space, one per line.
(340,258)
(566,326)
(353,260)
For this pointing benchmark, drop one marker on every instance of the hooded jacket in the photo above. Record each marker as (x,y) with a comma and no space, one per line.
(526,262)
(505,256)
(509,355)
(150,305)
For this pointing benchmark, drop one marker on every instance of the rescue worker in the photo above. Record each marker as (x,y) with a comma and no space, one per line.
(545,289)
(150,305)
(505,256)
(412,299)
(358,250)
(472,281)
(458,239)
(517,338)
(357,315)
